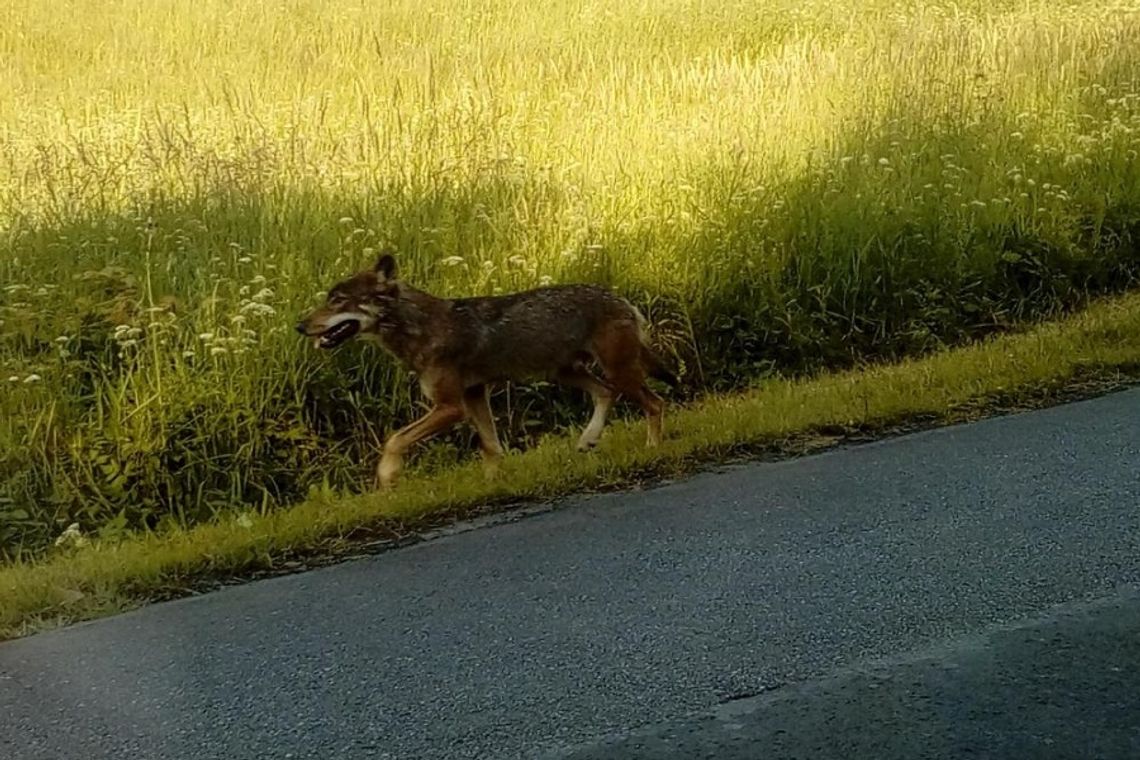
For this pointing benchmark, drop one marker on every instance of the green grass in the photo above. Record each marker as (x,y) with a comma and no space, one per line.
(783,187)
(102,577)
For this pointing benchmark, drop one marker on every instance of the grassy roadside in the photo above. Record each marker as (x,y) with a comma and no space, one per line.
(104,578)
(786,186)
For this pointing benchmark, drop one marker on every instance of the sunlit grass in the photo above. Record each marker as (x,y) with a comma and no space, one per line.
(782,186)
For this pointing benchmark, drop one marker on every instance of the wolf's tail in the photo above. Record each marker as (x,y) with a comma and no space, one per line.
(653,363)
(657,368)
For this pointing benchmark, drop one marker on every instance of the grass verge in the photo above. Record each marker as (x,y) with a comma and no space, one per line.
(101,578)
(783,186)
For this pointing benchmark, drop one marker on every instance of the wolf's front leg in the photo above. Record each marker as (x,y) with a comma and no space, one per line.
(441,417)
(478,410)
(391,462)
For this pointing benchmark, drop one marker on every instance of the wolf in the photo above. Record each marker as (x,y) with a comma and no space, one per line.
(461,347)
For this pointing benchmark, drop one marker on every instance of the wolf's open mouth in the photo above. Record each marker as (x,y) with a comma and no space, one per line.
(337,334)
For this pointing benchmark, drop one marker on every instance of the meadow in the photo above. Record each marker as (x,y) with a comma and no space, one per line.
(785,188)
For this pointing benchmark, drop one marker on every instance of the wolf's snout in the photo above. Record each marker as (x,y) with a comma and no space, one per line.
(301,327)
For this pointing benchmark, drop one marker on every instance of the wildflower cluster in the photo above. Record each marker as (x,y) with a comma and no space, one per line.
(27,379)
(241,331)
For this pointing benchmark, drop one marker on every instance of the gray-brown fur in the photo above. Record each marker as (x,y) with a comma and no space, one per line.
(459,347)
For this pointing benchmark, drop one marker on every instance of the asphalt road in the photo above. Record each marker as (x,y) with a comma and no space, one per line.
(969,591)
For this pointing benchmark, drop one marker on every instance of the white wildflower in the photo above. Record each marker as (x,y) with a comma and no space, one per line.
(72,536)
(258,309)
(32,378)
(452,261)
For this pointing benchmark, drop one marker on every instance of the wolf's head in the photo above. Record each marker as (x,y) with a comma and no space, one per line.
(364,303)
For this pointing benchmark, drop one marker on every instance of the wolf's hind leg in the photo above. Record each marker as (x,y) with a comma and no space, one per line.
(579,377)
(620,352)
(654,408)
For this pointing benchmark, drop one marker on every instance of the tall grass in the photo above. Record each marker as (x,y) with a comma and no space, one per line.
(783,186)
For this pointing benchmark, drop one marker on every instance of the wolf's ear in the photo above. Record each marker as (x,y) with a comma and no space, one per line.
(386,266)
